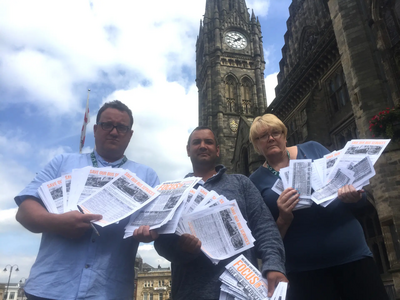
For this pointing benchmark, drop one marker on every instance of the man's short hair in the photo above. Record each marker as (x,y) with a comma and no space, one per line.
(116,104)
(203,128)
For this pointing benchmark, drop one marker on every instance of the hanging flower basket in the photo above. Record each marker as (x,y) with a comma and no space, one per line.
(386,124)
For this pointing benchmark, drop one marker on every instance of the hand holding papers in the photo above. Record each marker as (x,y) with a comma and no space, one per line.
(173,207)
(352,165)
(207,216)
(119,198)
(144,234)
(242,280)
(162,210)
(113,193)
(91,224)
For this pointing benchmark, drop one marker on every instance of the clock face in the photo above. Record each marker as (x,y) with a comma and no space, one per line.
(235,40)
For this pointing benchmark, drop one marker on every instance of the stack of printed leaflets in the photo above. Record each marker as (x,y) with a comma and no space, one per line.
(163,213)
(113,193)
(172,207)
(351,165)
(214,220)
(243,281)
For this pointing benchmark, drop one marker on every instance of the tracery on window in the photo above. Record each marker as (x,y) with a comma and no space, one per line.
(297,128)
(340,138)
(230,95)
(246,95)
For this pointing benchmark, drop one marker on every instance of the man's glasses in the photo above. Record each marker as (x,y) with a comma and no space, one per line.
(109,126)
(266,136)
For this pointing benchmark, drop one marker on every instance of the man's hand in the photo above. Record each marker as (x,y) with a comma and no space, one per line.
(74,224)
(33,216)
(189,243)
(273,278)
(348,194)
(144,234)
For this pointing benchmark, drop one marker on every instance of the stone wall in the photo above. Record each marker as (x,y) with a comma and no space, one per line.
(386,191)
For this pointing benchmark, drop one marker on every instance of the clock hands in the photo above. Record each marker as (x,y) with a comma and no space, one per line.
(235,40)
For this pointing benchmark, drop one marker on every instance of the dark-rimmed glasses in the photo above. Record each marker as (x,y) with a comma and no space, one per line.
(109,126)
(266,136)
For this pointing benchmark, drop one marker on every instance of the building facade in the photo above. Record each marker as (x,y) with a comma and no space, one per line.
(15,291)
(153,283)
(340,66)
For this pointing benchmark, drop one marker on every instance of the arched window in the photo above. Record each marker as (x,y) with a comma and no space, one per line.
(246,95)
(391,16)
(337,90)
(230,93)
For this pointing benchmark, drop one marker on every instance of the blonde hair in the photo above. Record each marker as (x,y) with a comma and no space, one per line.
(262,122)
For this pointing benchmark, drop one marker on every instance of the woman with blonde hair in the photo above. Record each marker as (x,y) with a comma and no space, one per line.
(327,257)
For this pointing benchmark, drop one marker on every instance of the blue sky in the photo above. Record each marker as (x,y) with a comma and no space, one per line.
(53,51)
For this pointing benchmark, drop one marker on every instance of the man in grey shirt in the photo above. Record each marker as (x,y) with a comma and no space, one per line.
(193,274)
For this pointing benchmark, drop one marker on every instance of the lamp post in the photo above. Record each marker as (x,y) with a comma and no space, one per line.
(21,292)
(9,277)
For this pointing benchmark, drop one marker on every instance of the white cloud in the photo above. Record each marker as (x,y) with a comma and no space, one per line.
(13,179)
(47,154)
(19,246)
(46,70)
(160,134)
(11,143)
(260,7)
(150,256)
(271,82)
(7,220)
(96,46)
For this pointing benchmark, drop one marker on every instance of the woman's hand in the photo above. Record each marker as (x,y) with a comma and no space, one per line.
(348,194)
(286,202)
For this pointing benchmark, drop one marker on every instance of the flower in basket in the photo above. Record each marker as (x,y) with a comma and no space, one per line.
(386,123)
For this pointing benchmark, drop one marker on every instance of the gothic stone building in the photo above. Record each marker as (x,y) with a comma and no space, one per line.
(340,66)
(229,70)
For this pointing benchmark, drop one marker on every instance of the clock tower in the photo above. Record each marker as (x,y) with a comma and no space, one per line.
(229,71)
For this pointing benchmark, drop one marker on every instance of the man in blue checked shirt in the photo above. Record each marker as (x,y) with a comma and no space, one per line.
(73,261)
